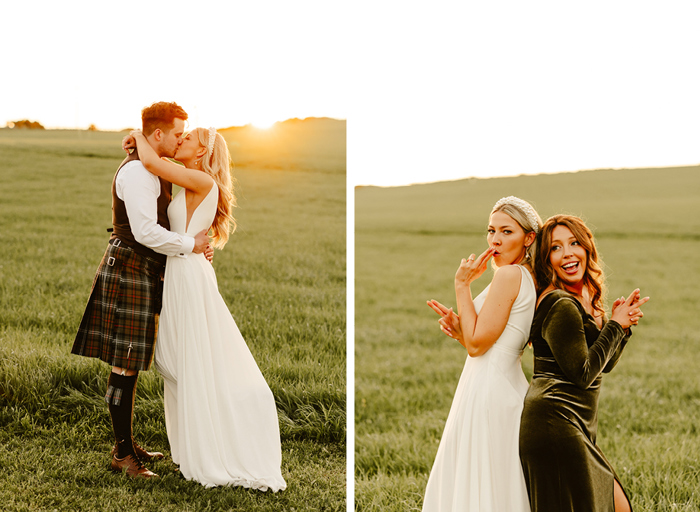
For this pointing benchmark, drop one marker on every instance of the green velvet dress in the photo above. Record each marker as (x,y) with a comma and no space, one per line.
(564,468)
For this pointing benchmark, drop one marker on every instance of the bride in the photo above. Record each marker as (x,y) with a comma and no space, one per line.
(477,466)
(220,414)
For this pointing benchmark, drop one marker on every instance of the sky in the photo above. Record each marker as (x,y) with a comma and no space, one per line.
(228,63)
(479,89)
(432,91)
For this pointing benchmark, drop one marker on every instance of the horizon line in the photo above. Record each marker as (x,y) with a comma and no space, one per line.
(524,174)
(249,124)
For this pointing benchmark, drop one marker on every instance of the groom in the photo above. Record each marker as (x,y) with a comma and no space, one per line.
(120,322)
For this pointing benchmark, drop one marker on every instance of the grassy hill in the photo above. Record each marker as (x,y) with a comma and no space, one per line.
(312,143)
(409,241)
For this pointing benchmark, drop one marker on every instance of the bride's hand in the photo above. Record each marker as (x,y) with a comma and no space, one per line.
(128,143)
(471,268)
(438,308)
(209,254)
(449,324)
(449,320)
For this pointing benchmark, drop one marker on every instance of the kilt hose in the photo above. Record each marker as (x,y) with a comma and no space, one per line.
(120,322)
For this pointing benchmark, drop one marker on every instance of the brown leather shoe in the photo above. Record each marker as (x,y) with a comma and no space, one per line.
(141,453)
(132,466)
(146,456)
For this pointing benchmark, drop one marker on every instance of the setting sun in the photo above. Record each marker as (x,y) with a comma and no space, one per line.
(263,123)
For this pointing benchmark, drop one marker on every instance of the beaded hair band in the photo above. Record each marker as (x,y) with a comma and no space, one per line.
(524,206)
(212,137)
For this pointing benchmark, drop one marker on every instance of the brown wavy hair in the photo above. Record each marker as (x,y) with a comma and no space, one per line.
(161,115)
(217,164)
(593,277)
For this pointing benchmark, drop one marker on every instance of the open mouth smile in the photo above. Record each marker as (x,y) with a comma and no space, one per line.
(571,268)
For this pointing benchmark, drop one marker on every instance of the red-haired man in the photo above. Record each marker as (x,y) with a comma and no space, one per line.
(119,325)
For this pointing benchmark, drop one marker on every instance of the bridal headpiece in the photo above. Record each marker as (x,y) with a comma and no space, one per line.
(523,206)
(212,138)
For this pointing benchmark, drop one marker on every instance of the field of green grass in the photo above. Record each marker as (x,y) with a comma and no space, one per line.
(409,242)
(282,274)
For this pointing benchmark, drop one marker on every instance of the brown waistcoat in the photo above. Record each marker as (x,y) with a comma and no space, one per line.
(120,221)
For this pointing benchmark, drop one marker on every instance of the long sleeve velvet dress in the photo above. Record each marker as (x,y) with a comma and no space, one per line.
(564,468)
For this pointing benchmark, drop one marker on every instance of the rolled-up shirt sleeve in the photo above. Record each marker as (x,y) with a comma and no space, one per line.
(139,189)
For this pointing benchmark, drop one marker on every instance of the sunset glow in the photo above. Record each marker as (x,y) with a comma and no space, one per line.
(212,71)
(489,89)
(265,123)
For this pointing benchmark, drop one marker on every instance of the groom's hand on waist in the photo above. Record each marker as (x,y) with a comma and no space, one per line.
(201,241)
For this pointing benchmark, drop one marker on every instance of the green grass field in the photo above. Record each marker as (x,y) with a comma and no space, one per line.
(409,241)
(282,275)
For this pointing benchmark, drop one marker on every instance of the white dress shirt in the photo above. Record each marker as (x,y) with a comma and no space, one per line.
(139,189)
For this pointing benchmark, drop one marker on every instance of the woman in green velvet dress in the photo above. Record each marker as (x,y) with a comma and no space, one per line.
(573,345)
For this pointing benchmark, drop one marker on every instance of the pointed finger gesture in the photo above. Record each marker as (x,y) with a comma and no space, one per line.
(449,320)
(628,311)
(438,308)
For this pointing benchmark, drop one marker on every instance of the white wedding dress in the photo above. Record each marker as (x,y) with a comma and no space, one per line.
(477,467)
(220,414)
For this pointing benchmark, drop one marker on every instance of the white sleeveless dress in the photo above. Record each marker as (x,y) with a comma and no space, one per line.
(477,467)
(220,414)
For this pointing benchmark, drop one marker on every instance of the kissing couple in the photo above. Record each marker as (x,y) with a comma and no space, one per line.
(156,282)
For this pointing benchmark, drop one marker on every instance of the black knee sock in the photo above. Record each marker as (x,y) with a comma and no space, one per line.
(120,398)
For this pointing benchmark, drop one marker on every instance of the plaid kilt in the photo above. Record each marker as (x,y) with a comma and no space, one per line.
(120,322)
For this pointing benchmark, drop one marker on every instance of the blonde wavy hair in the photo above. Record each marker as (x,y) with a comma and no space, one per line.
(217,164)
(593,278)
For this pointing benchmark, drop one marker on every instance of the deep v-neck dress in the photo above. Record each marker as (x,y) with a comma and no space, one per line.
(220,414)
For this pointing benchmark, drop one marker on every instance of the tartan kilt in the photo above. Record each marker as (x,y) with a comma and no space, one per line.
(120,322)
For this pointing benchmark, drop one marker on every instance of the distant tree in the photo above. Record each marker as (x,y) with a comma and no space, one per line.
(92,128)
(24,123)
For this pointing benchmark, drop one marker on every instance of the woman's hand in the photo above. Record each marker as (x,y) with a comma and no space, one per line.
(128,143)
(209,254)
(627,312)
(471,269)
(449,321)
(450,325)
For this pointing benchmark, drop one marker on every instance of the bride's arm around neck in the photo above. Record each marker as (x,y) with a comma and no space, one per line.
(196,181)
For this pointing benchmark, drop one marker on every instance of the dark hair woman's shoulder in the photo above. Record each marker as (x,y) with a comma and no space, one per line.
(551,298)
(557,306)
